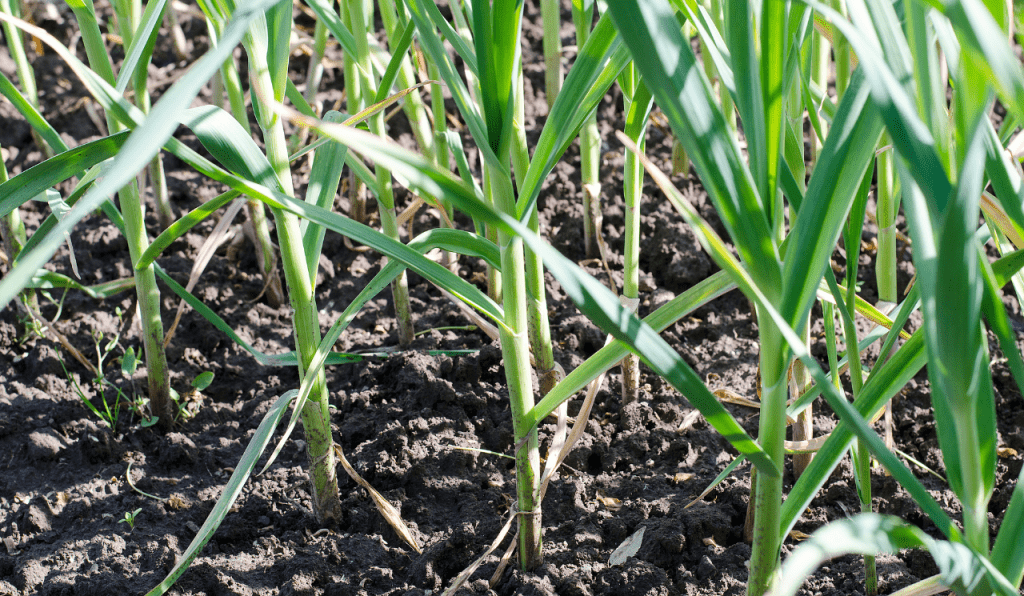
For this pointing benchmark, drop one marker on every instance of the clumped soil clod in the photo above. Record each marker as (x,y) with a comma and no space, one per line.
(411,424)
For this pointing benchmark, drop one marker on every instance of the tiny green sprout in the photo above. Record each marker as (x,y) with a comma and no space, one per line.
(129,362)
(202,381)
(129,518)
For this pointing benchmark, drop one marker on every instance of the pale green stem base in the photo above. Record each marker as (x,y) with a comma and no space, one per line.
(764,560)
(515,351)
(537,317)
(306,322)
(550,15)
(590,160)
(803,430)
(149,308)
(257,214)
(389,222)
(316,420)
(632,193)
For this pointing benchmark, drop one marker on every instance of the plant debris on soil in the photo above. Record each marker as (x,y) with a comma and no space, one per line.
(425,430)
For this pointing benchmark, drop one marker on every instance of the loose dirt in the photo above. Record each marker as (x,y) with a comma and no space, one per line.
(423,429)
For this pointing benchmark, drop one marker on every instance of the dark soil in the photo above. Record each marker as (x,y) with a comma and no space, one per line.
(404,421)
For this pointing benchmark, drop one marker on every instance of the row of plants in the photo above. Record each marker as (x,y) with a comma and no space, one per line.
(907,118)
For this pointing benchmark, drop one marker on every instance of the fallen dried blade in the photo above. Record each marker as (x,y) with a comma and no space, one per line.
(385,507)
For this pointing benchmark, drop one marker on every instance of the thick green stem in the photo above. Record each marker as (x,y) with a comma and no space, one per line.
(353,96)
(885,214)
(413,106)
(13,238)
(149,307)
(232,82)
(885,256)
(632,190)
(314,75)
(494,285)
(728,106)
(388,214)
(771,436)
(315,413)
(550,16)
(13,229)
(389,223)
(975,498)
(590,158)
(861,455)
(233,87)
(316,419)
(441,153)
(841,48)
(516,355)
(548,373)
(26,76)
(129,15)
(537,315)
(820,70)
(440,119)
(160,192)
(12,232)
(135,230)
(821,56)
(803,429)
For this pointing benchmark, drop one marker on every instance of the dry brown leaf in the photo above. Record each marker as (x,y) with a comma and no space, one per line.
(217,237)
(611,503)
(798,535)
(1006,452)
(806,446)
(391,515)
(628,548)
(177,502)
(731,397)
(503,563)
(468,571)
(688,420)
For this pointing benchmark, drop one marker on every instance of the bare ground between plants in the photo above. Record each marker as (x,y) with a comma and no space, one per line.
(411,424)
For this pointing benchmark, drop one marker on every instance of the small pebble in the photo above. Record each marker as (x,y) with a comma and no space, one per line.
(38,519)
(706,568)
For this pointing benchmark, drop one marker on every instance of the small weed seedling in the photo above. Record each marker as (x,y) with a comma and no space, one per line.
(129,518)
(138,404)
(187,406)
